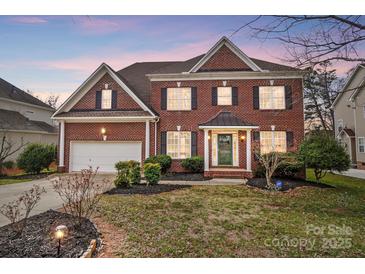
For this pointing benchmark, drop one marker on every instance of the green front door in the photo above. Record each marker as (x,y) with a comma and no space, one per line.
(225,149)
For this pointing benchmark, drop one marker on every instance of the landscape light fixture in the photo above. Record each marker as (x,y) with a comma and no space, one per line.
(60,233)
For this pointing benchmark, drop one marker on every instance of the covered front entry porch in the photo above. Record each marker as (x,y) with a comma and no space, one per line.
(227,147)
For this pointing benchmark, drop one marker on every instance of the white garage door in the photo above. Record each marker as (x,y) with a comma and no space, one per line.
(103,154)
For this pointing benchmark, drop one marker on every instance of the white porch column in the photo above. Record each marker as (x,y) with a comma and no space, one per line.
(147,144)
(206,150)
(61,159)
(248,150)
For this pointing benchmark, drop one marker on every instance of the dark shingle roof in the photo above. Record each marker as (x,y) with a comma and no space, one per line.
(134,76)
(12,120)
(9,91)
(349,132)
(226,118)
(105,113)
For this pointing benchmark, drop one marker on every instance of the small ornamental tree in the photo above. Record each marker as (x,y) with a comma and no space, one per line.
(323,153)
(270,162)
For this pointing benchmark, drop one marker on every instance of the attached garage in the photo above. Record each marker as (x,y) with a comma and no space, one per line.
(103,154)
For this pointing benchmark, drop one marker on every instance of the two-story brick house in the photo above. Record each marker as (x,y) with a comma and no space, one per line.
(222,105)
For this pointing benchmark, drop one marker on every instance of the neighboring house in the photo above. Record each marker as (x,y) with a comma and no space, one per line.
(349,109)
(222,105)
(24,118)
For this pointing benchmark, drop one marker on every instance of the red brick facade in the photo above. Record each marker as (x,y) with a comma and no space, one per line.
(224,59)
(91,132)
(124,101)
(284,120)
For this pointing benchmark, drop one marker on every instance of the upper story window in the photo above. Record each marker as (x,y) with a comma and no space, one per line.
(179,99)
(272,141)
(224,96)
(272,97)
(106,99)
(178,144)
(361,143)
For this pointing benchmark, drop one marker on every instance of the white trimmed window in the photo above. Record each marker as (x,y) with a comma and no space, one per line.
(178,144)
(224,95)
(272,97)
(272,141)
(179,99)
(361,144)
(106,99)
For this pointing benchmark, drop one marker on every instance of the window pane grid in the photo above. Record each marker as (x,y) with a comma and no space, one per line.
(106,99)
(179,144)
(269,144)
(361,142)
(179,99)
(224,95)
(272,97)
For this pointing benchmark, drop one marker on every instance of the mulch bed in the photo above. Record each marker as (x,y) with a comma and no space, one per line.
(145,190)
(183,177)
(287,183)
(37,239)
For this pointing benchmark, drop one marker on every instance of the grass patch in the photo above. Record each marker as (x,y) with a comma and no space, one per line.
(237,221)
(13,181)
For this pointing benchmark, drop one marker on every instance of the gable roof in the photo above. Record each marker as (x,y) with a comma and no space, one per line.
(13,120)
(91,81)
(224,41)
(11,92)
(348,82)
(226,119)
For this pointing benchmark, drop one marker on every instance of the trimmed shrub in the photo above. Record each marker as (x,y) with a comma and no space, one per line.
(8,164)
(162,159)
(288,167)
(259,172)
(134,172)
(36,157)
(129,172)
(122,179)
(152,173)
(194,164)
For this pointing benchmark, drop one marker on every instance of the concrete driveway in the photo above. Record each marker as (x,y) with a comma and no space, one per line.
(357,173)
(49,200)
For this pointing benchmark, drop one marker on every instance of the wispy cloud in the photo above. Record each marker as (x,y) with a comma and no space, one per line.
(99,25)
(31,20)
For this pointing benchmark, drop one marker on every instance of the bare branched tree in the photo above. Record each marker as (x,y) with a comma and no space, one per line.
(311,40)
(321,86)
(52,101)
(8,148)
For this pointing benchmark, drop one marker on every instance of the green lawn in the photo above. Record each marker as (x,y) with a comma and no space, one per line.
(13,181)
(237,221)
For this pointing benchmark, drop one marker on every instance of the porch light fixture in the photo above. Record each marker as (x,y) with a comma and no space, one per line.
(60,233)
(243,137)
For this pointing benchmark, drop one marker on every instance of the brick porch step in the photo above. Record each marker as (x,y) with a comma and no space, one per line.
(228,173)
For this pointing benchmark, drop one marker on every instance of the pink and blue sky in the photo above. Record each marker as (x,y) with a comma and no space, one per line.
(55,54)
